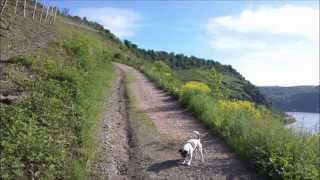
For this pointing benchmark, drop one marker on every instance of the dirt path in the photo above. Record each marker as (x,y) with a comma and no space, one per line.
(142,136)
(112,154)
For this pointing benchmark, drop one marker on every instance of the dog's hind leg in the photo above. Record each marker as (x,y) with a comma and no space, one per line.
(200,149)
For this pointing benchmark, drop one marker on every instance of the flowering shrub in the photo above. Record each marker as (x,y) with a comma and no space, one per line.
(196,86)
(240,106)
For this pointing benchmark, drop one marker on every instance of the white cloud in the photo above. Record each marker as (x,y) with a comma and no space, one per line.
(285,20)
(234,44)
(122,22)
(270,46)
(282,64)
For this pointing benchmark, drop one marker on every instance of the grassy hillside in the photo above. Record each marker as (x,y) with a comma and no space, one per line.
(20,35)
(297,98)
(51,95)
(190,68)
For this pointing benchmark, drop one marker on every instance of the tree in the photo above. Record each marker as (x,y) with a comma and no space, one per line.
(216,85)
(117,56)
(65,12)
(85,20)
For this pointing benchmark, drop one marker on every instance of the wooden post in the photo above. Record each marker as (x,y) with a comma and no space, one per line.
(55,15)
(45,19)
(24,8)
(34,9)
(42,11)
(15,8)
(51,15)
(4,6)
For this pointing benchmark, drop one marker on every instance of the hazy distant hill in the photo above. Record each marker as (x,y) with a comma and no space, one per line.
(296,98)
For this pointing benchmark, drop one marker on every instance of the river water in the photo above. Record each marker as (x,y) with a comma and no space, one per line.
(305,122)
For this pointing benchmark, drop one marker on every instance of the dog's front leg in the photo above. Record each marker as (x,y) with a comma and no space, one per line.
(184,161)
(189,163)
(196,154)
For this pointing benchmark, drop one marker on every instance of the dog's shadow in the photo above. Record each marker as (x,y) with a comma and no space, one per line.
(157,167)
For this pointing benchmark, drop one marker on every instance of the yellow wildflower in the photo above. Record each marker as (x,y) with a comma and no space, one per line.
(196,86)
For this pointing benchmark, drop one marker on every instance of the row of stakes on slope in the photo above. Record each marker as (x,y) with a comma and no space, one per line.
(50,12)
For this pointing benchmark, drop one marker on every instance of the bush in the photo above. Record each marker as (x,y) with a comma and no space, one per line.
(198,87)
(117,56)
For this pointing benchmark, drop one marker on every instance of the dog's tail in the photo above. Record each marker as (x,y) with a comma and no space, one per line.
(197,134)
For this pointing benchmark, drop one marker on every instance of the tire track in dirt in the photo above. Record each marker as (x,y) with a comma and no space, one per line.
(155,156)
(112,155)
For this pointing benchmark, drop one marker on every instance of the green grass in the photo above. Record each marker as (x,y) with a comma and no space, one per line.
(193,75)
(51,133)
(141,120)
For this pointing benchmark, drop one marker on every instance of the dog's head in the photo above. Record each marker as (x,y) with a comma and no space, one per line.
(183,153)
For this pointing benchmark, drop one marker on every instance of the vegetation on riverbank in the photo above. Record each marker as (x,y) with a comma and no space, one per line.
(295,98)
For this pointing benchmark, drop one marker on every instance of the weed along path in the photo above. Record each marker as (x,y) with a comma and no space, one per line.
(147,137)
(112,152)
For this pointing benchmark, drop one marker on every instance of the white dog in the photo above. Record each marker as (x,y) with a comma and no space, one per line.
(190,148)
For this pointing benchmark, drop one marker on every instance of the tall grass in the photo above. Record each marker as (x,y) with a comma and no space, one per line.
(255,132)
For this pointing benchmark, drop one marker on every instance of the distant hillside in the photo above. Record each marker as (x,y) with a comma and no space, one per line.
(233,84)
(191,68)
(296,98)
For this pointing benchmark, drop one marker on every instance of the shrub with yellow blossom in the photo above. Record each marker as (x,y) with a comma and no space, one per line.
(196,86)
(240,106)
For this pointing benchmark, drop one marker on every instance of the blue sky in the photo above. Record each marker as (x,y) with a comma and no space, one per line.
(269,42)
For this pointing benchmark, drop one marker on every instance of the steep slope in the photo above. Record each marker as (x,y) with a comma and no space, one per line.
(19,35)
(296,98)
(53,80)
(232,83)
